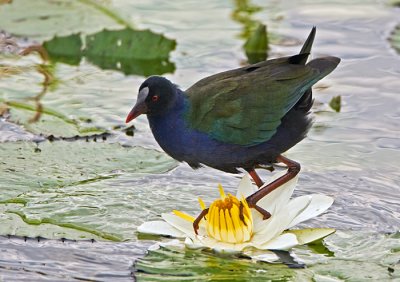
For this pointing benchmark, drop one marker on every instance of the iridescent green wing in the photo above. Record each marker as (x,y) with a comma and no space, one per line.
(245,106)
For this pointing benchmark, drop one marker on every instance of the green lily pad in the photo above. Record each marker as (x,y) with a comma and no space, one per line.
(65,49)
(27,166)
(256,46)
(336,103)
(395,38)
(76,186)
(176,264)
(48,122)
(140,52)
(42,19)
(305,236)
(395,3)
(130,51)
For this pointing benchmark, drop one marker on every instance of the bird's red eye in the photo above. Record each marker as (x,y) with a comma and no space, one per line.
(154,98)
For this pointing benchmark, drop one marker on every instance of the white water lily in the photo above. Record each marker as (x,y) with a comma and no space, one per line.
(224,230)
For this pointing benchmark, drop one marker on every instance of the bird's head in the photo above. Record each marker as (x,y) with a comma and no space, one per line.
(156,96)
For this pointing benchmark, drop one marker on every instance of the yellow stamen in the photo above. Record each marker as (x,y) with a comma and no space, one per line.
(228,219)
(230,228)
(202,204)
(221,192)
(184,216)
(224,219)
(222,226)
(216,233)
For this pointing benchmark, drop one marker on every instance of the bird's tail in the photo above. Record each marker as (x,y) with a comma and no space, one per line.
(306,101)
(306,49)
(301,58)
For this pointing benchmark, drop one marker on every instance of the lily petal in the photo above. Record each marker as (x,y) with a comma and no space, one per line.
(269,257)
(160,228)
(221,247)
(282,242)
(246,187)
(318,205)
(279,197)
(305,236)
(280,220)
(180,224)
(193,244)
(261,255)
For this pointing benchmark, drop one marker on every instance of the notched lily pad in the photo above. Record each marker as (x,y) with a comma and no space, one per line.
(130,51)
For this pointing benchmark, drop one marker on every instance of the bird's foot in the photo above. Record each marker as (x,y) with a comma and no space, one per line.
(263,212)
(198,219)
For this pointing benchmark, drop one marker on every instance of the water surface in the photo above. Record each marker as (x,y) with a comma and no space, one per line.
(103,187)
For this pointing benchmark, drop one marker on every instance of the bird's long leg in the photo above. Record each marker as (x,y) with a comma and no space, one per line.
(255,177)
(293,170)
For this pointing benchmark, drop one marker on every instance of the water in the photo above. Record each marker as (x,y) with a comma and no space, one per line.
(98,189)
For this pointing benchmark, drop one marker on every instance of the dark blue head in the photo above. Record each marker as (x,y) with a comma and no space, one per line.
(156,96)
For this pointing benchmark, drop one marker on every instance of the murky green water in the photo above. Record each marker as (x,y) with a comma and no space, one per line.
(106,183)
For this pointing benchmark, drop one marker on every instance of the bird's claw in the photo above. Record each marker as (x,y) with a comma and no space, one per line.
(241,216)
(198,219)
(263,212)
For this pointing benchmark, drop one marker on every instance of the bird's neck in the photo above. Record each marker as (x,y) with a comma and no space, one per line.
(170,128)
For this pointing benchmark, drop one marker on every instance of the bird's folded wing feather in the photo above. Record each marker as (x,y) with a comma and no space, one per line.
(245,106)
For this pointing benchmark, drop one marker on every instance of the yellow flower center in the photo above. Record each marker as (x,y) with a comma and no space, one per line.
(228,219)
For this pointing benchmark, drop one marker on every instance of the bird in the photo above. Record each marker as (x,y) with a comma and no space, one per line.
(243,118)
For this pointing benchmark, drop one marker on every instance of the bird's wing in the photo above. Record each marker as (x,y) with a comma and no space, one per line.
(245,106)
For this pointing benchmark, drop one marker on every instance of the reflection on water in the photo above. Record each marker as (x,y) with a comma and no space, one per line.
(351,155)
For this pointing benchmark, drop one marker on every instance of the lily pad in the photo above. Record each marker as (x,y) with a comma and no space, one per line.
(131,51)
(395,3)
(75,187)
(43,19)
(140,52)
(336,103)
(168,264)
(28,166)
(256,46)
(45,121)
(65,49)
(395,38)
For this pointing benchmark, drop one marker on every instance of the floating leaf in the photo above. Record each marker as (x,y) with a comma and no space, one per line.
(176,264)
(130,51)
(75,187)
(256,46)
(45,121)
(395,3)
(27,166)
(335,103)
(67,49)
(43,19)
(395,38)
